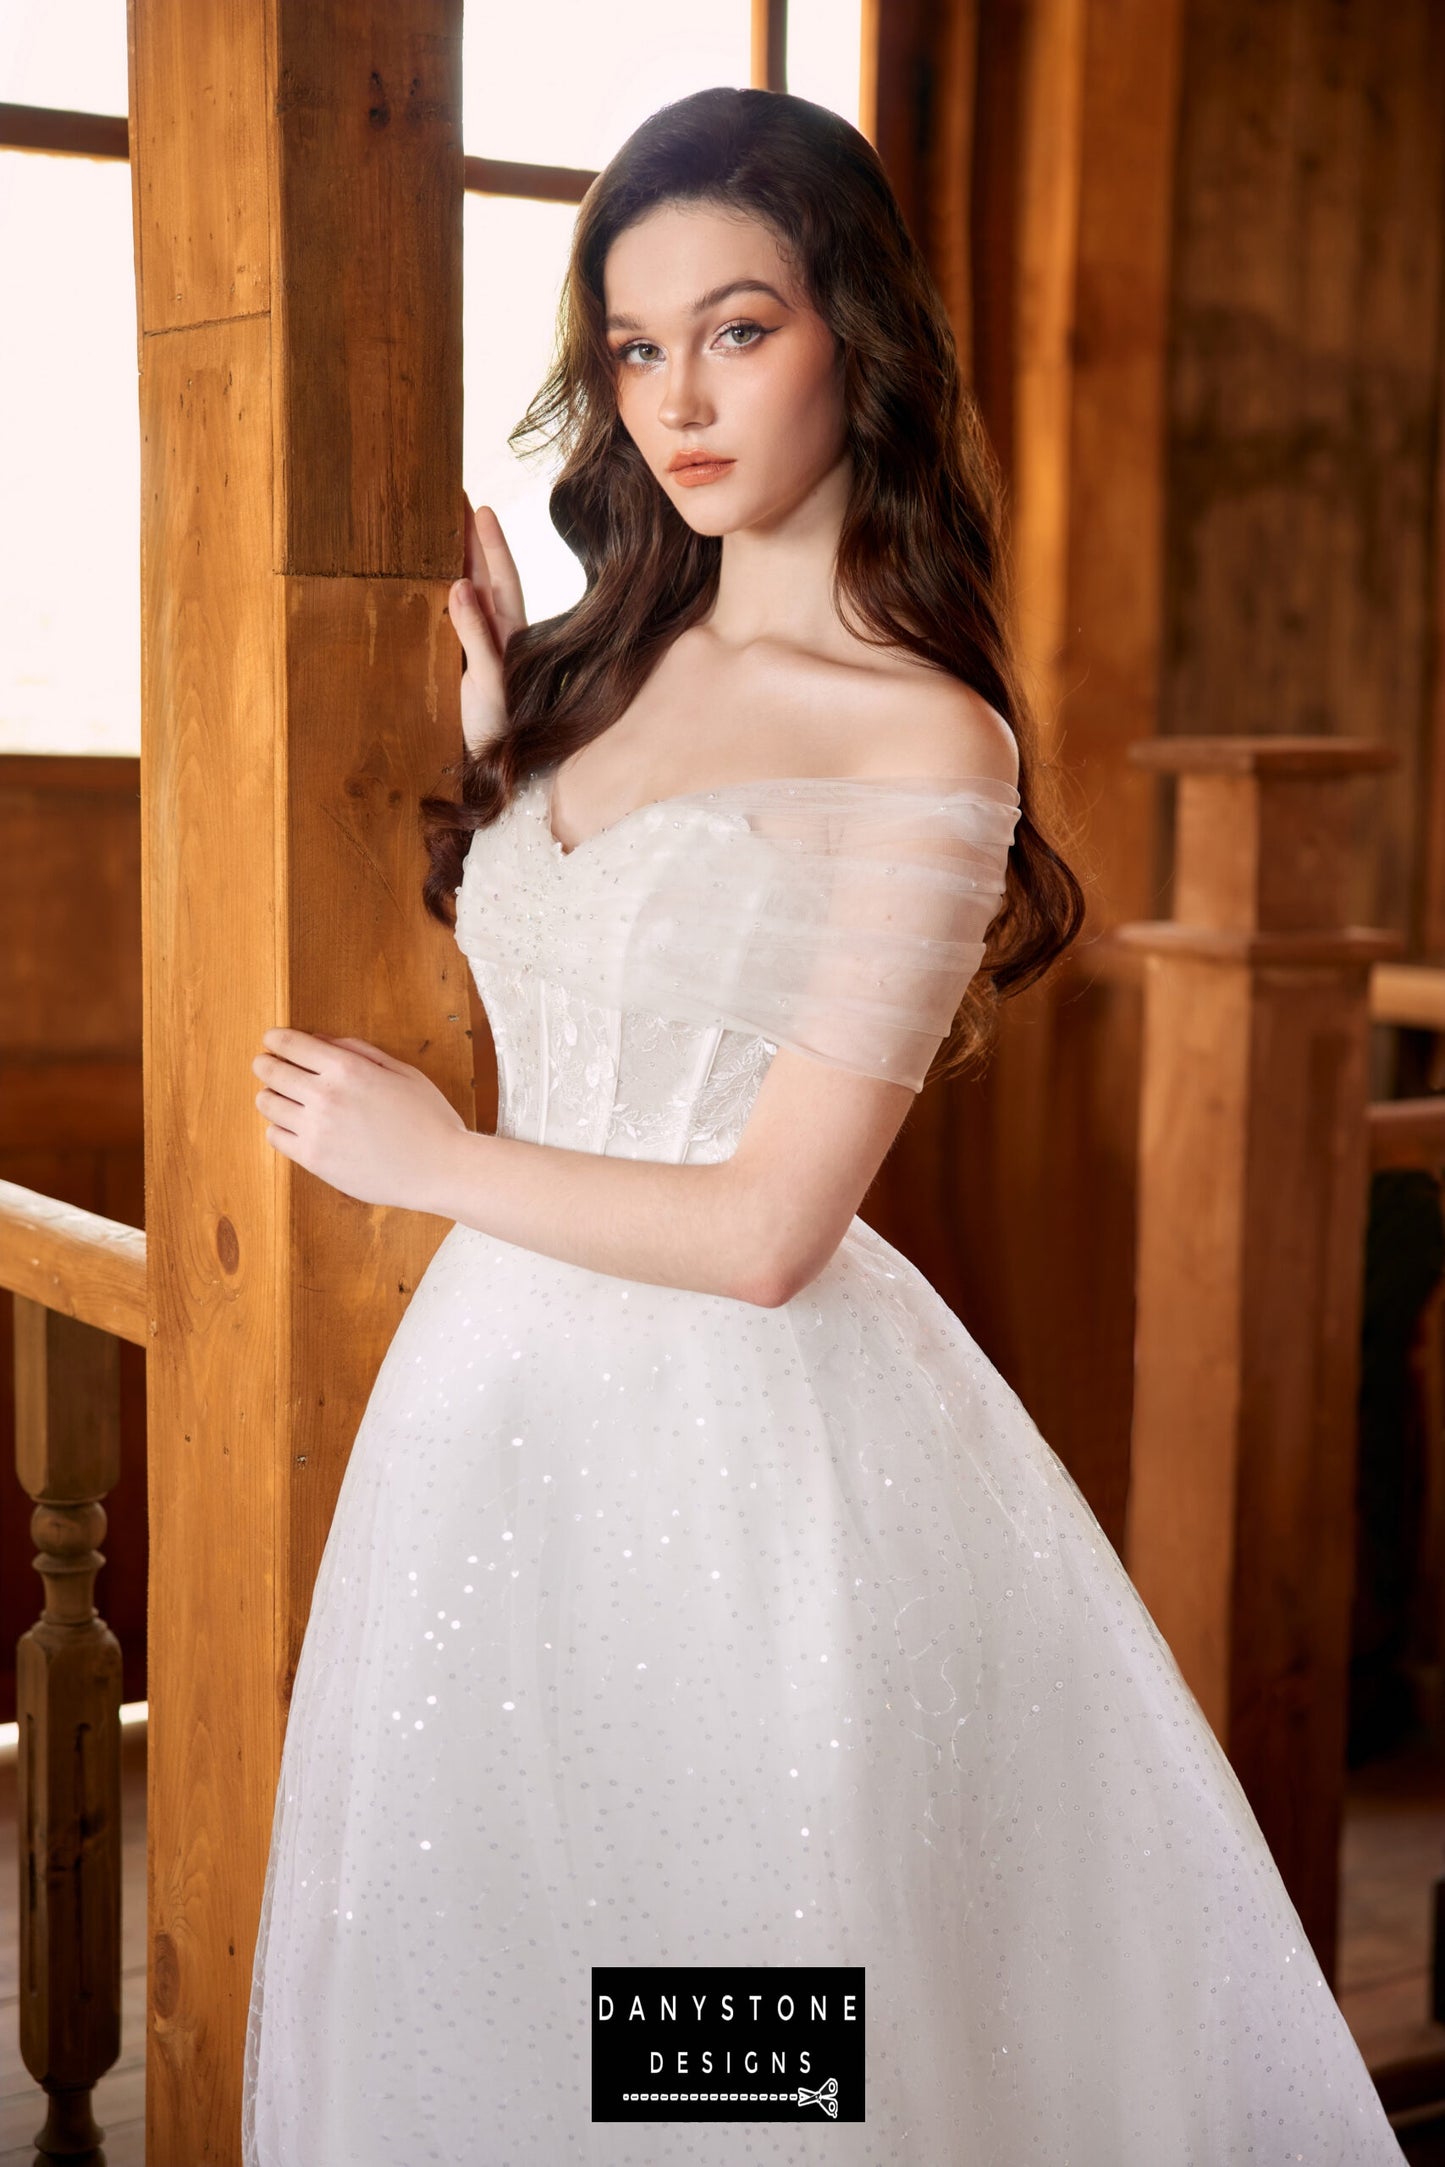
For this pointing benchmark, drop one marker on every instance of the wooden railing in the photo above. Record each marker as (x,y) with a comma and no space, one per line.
(79,1287)
(1408,1132)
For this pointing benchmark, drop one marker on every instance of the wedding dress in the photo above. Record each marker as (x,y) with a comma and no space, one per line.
(655,1627)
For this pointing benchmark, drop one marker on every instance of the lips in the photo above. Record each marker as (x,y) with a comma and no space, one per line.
(694,471)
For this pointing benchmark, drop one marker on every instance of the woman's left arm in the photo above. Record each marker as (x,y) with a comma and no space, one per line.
(756,1227)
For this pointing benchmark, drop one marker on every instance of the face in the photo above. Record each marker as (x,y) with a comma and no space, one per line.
(752,377)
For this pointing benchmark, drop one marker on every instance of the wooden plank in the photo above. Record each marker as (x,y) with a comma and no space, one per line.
(918,106)
(366,158)
(1046,219)
(70,1103)
(70,907)
(215,1216)
(1304,392)
(199,144)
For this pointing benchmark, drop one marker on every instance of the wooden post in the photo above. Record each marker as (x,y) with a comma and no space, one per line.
(67,1684)
(1253,1173)
(297,179)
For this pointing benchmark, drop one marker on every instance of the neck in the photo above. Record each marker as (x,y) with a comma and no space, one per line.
(775,578)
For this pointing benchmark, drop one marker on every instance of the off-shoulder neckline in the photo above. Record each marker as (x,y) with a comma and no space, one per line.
(920,785)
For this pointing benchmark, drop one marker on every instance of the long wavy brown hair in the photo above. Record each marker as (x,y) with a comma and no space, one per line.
(920,560)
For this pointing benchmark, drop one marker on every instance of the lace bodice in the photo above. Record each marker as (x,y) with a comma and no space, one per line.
(639,985)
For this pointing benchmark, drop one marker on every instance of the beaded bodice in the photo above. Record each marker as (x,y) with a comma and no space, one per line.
(639,985)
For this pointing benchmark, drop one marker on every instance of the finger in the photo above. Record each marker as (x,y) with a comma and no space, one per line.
(277,1072)
(492,570)
(472,625)
(275,1104)
(302,1048)
(372,1053)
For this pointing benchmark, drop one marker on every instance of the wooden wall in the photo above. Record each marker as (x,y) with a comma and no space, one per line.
(70,1113)
(1192,250)
(1301,561)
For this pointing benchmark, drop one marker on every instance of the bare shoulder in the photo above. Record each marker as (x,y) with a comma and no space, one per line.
(931,724)
(870,715)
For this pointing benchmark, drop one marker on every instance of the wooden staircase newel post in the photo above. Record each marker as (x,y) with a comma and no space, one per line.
(1253,1190)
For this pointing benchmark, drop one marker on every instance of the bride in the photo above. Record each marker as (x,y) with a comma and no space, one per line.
(701,1607)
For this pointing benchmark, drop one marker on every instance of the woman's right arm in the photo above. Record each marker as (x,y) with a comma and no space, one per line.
(485,608)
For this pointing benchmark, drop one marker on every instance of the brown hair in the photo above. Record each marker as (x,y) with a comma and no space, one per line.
(920,555)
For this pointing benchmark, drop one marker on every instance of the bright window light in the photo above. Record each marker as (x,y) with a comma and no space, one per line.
(70,535)
(563,82)
(825,53)
(69,544)
(73,56)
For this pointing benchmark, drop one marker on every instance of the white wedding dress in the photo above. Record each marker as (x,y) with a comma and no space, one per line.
(659,1628)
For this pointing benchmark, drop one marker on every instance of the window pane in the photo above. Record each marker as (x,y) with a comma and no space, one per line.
(564,82)
(825,50)
(515,256)
(72,55)
(70,537)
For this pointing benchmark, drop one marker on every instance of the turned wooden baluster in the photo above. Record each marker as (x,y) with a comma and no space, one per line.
(68,1687)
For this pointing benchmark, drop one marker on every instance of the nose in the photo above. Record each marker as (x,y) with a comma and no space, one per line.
(683,402)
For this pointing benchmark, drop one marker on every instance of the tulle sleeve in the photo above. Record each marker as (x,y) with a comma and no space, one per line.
(843,918)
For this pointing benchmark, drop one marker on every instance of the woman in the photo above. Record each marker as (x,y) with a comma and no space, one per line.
(698,1594)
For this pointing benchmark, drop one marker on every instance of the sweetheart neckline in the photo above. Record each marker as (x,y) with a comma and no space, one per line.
(924,785)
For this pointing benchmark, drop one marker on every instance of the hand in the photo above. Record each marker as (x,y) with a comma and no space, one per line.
(485,608)
(371,1126)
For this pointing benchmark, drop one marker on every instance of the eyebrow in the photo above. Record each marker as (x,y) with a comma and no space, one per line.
(706,301)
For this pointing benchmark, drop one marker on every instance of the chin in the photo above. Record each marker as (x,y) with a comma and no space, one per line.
(712,516)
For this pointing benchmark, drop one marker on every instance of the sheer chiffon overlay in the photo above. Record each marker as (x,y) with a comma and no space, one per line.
(654,1627)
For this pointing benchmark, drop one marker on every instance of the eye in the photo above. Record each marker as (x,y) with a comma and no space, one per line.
(759,331)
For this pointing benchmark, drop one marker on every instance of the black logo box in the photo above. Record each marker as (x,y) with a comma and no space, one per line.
(741,2043)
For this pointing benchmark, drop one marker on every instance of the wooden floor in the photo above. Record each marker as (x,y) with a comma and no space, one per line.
(1394,1850)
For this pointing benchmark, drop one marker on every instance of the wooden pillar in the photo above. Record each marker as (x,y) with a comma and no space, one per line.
(1253,1174)
(297,187)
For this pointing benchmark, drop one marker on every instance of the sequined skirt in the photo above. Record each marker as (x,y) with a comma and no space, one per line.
(655,1627)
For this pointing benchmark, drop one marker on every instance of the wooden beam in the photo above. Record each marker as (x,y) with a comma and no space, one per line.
(297,187)
(536,183)
(1254,1153)
(63,133)
(768,64)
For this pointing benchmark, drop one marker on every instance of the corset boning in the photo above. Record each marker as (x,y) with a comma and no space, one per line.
(625,1083)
